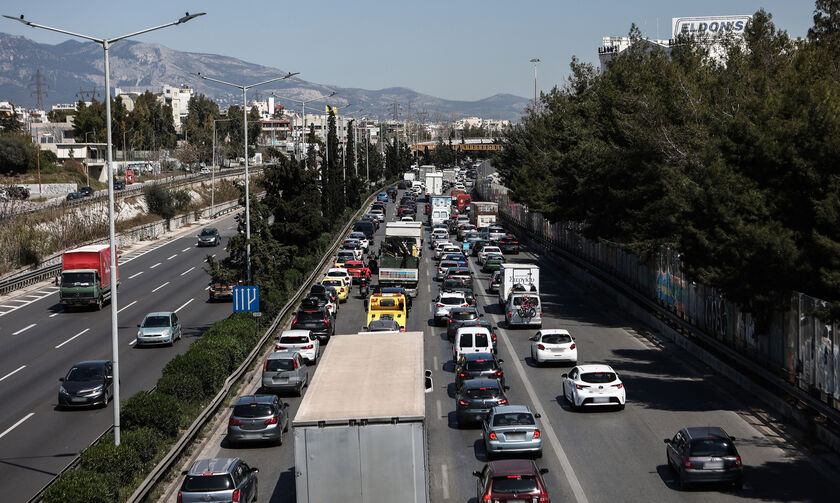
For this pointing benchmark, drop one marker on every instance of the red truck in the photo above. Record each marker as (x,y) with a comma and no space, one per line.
(463,202)
(86,277)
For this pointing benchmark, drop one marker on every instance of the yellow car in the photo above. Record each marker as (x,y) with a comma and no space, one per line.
(388,306)
(340,286)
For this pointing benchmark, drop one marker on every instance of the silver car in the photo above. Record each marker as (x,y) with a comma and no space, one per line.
(159,328)
(523,309)
(284,371)
(258,418)
(512,429)
(219,479)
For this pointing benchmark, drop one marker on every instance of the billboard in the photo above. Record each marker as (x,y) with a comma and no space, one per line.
(709,26)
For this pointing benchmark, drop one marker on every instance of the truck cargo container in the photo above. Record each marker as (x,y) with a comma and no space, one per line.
(526,275)
(399,264)
(484,213)
(434,184)
(86,277)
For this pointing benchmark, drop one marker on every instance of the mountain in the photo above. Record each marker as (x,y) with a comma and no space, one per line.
(72,66)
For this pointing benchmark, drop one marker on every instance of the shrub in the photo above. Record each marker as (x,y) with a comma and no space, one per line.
(201,374)
(159,200)
(118,463)
(185,387)
(152,409)
(80,486)
(145,442)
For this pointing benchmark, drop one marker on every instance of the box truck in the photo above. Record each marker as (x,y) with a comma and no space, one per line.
(484,213)
(434,184)
(86,277)
(526,275)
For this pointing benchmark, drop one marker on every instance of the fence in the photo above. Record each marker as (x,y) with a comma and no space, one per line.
(797,345)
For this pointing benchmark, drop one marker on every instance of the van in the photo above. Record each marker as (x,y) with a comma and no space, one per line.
(366,227)
(471,340)
(523,309)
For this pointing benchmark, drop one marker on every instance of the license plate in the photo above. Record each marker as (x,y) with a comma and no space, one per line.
(601,399)
(713,465)
(77,399)
(281,379)
(515,436)
(558,350)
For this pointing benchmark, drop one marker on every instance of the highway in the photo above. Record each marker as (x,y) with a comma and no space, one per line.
(39,343)
(592,456)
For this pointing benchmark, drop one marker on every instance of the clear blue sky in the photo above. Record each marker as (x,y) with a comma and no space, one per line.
(455,49)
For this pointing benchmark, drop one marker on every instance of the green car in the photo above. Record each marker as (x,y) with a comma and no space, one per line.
(492,263)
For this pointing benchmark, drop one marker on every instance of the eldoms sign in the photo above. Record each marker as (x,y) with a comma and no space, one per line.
(709,26)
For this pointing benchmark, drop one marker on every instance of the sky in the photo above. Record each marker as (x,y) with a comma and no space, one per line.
(455,49)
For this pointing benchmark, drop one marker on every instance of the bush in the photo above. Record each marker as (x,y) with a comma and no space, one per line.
(185,387)
(14,155)
(194,375)
(152,409)
(119,464)
(80,486)
(159,200)
(145,442)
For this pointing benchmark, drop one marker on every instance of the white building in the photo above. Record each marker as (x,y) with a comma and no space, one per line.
(176,97)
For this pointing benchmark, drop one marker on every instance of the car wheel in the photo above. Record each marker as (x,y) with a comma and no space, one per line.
(99,304)
(279,441)
(538,454)
(621,406)
(681,483)
(738,484)
(459,422)
(490,454)
(105,399)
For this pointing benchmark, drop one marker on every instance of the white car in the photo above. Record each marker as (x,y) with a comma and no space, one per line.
(440,234)
(553,345)
(406,219)
(437,243)
(340,272)
(593,386)
(446,249)
(361,238)
(379,214)
(487,250)
(301,341)
(447,301)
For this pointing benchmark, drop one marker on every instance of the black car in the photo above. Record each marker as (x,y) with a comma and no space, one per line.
(475,399)
(119,185)
(509,244)
(392,193)
(74,195)
(317,320)
(86,191)
(209,236)
(365,226)
(320,297)
(404,184)
(477,245)
(704,454)
(458,315)
(478,366)
(87,383)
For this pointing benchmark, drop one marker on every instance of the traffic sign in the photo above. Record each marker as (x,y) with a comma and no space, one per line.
(246,299)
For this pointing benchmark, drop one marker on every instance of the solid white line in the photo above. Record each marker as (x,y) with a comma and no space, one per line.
(135,275)
(24,329)
(13,372)
(188,270)
(12,427)
(207,287)
(132,342)
(435,359)
(444,479)
(186,249)
(568,471)
(161,286)
(173,256)
(439,409)
(183,306)
(152,267)
(70,339)
(54,315)
(126,306)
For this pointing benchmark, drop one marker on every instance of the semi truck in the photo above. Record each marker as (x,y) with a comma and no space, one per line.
(399,263)
(86,277)
(526,275)
(484,213)
(441,209)
(434,184)
(359,437)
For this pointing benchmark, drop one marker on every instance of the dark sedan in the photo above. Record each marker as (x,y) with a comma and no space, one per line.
(87,383)
(478,366)
(74,195)
(209,236)
(509,245)
(457,317)
(704,454)
(475,399)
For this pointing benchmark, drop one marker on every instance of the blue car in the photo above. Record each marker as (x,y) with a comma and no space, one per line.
(382,196)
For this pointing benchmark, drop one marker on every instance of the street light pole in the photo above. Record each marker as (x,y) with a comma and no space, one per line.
(535,61)
(244,89)
(106,45)
(303,113)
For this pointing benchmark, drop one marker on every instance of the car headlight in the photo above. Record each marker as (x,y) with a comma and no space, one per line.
(62,390)
(98,389)
(139,333)
(166,333)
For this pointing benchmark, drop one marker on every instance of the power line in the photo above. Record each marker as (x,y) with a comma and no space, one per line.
(39,90)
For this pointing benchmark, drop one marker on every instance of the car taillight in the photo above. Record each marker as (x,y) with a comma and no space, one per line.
(619,385)
(738,462)
(462,402)
(687,463)
(402,329)
(272,420)
(234,422)
(462,374)
(540,347)
(544,497)
(536,433)
(265,364)
(503,401)
(492,435)
(572,346)
(309,346)
(451,320)
(498,373)
(326,322)
(296,320)
(510,313)
(439,304)
(279,348)
(580,386)
(235,498)
(180,497)
(487,498)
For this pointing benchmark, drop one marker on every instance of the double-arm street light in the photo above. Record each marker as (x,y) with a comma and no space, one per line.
(106,45)
(245,127)
(535,61)
(303,112)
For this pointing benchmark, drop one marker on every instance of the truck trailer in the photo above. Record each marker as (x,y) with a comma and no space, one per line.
(360,437)
(526,275)
(434,184)
(484,213)
(86,277)
(399,264)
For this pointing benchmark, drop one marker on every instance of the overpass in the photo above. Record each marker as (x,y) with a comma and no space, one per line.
(468,145)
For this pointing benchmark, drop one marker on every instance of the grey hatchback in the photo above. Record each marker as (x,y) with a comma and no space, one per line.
(512,429)
(219,479)
(704,454)
(258,418)
(284,371)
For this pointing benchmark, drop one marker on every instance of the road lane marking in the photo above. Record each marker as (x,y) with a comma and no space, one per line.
(184,305)
(24,329)
(186,249)
(152,267)
(207,287)
(132,342)
(70,339)
(437,363)
(188,270)
(444,479)
(161,286)
(12,427)
(13,372)
(126,306)
(54,315)
(213,255)
(135,275)
(439,409)
(173,256)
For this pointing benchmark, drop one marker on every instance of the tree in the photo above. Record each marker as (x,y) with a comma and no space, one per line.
(14,155)
(198,126)
(187,155)
(10,123)
(332,174)
(292,191)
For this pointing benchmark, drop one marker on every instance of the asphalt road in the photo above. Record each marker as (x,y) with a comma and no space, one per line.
(39,343)
(592,456)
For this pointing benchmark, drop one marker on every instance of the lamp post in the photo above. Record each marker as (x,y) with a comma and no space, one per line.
(303,111)
(106,45)
(535,61)
(245,127)
(87,169)
(213,169)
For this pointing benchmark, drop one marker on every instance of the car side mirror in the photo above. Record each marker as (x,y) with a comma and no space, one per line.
(285,405)
(60,379)
(507,388)
(277,338)
(564,376)
(667,440)
(109,377)
(534,338)
(476,473)
(732,439)
(184,472)
(255,470)
(501,361)
(495,329)
(543,471)
(428,384)
(537,415)
(138,325)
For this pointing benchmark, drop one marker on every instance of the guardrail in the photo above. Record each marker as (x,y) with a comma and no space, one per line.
(177,450)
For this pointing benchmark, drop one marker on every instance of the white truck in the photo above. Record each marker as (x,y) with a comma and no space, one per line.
(441,209)
(359,437)
(484,213)
(434,184)
(399,263)
(424,170)
(449,175)
(526,275)
(409,176)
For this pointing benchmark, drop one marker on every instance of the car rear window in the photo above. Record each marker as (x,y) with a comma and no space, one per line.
(481,340)
(452,301)
(711,447)
(479,365)
(534,300)
(204,483)
(556,338)
(337,274)
(597,377)
(294,339)
(464,315)
(310,316)
(332,282)
(253,410)
(483,393)
(513,419)
(515,484)
(278,364)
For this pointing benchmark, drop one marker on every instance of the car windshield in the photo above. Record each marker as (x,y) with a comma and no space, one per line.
(71,278)
(480,365)
(483,393)
(556,338)
(208,232)
(515,484)
(156,322)
(253,410)
(206,483)
(598,377)
(330,282)
(310,316)
(276,364)
(85,374)
(535,301)
(294,339)
(464,315)
(513,419)
(711,447)
(452,301)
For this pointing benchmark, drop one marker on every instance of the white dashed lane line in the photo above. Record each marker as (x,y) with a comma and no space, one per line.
(13,372)
(70,339)
(24,329)
(152,267)
(135,275)
(126,306)
(173,256)
(54,315)
(161,286)
(12,427)
(184,305)
(188,270)
(186,249)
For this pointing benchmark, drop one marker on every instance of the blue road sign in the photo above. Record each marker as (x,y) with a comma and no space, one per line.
(246,299)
